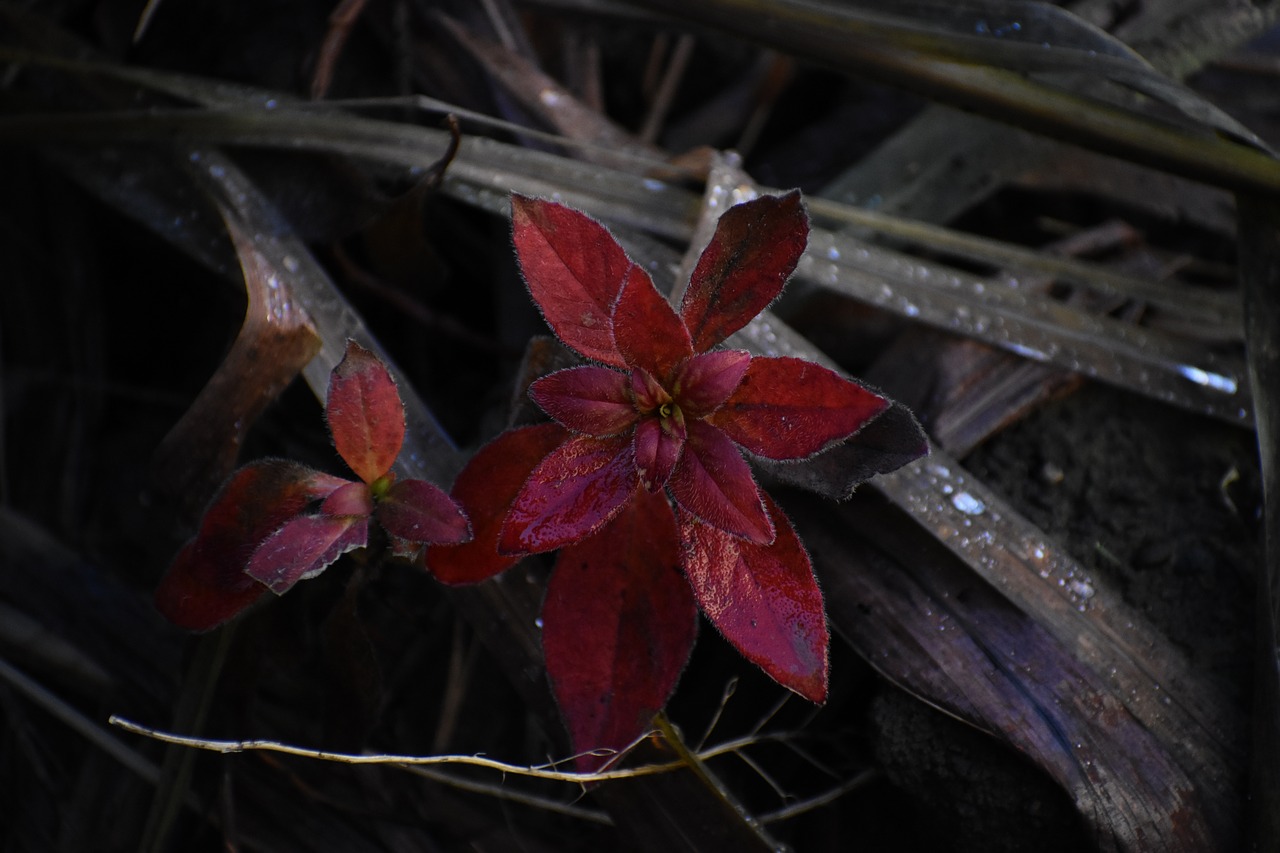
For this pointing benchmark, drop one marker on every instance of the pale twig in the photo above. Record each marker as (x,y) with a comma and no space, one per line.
(419,765)
(538,772)
(504,793)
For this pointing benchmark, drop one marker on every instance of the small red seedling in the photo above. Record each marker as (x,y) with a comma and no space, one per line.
(641,478)
(276,522)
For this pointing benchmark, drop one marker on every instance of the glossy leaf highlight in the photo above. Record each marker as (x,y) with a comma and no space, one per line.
(572,493)
(764,599)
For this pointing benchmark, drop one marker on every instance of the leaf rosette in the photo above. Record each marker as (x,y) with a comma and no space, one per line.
(641,481)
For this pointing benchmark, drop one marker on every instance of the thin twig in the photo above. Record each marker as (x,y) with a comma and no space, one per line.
(538,772)
(505,793)
(822,799)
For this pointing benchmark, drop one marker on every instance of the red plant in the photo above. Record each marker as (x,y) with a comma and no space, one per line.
(661,419)
(276,522)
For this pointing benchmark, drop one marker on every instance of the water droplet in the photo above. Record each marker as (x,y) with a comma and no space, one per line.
(967,504)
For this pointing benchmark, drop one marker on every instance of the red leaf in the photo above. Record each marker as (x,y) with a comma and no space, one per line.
(713,483)
(206,584)
(592,400)
(365,414)
(349,499)
(574,270)
(304,548)
(485,488)
(658,444)
(789,408)
(704,382)
(419,511)
(647,391)
(763,599)
(575,491)
(619,624)
(647,330)
(756,247)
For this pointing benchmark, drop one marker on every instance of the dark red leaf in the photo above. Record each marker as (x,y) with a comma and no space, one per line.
(350,499)
(419,511)
(485,489)
(789,408)
(890,441)
(754,250)
(647,330)
(619,623)
(574,492)
(305,547)
(763,599)
(704,382)
(206,584)
(713,483)
(574,270)
(658,444)
(592,400)
(647,391)
(365,414)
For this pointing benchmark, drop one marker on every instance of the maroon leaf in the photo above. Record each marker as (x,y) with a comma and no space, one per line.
(754,250)
(713,483)
(887,443)
(647,391)
(574,270)
(206,584)
(365,414)
(704,382)
(619,625)
(658,444)
(485,489)
(304,548)
(349,499)
(574,492)
(789,408)
(646,328)
(763,599)
(419,511)
(592,400)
